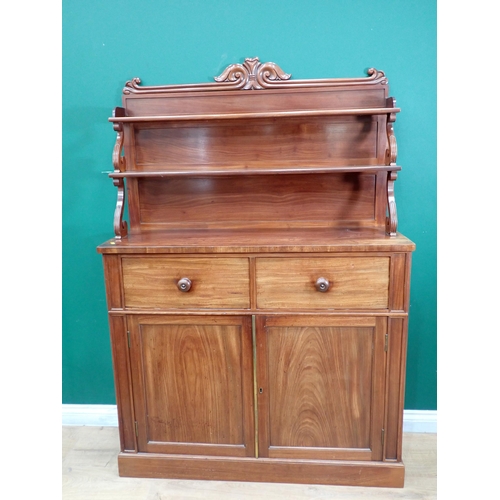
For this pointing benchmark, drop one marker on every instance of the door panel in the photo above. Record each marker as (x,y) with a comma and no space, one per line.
(193,384)
(321,386)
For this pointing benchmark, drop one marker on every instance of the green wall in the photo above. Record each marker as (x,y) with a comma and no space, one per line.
(108,42)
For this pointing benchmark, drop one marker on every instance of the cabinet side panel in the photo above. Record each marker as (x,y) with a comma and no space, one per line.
(379,366)
(261,390)
(112,275)
(119,345)
(395,388)
(407,282)
(398,278)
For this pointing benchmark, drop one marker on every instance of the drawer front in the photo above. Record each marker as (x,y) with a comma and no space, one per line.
(353,283)
(214,283)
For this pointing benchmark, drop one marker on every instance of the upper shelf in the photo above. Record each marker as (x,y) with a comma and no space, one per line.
(268,114)
(200,170)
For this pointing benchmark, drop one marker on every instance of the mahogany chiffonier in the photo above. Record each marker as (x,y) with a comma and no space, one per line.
(258,295)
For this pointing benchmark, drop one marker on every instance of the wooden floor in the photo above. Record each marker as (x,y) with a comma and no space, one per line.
(90,472)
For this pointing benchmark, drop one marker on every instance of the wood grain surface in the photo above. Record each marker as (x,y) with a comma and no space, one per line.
(355,282)
(193,384)
(247,200)
(151,282)
(261,240)
(320,382)
(307,99)
(232,141)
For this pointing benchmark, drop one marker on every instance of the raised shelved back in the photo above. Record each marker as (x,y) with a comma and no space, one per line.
(256,149)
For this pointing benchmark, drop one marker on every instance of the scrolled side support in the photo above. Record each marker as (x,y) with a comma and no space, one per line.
(392,150)
(392,146)
(120,226)
(391,221)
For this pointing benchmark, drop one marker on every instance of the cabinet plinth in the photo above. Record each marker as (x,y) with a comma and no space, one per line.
(258,295)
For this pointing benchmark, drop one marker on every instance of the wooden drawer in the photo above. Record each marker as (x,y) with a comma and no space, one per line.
(354,283)
(152,282)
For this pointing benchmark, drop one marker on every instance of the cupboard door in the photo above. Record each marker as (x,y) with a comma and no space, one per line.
(193,387)
(321,387)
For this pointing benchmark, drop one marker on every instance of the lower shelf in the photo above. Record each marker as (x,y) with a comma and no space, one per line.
(382,474)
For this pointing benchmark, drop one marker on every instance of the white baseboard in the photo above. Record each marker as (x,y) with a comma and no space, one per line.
(99,415)
(106,416)
(420,421)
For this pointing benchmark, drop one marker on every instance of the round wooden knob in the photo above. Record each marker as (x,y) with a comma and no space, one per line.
(184,284)
(322,285)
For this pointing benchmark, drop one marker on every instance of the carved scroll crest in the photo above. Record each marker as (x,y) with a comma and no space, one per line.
(254,75)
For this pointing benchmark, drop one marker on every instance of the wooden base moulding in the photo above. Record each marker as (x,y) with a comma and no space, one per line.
(381,474)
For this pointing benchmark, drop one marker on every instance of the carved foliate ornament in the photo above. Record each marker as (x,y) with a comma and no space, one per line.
(253,74)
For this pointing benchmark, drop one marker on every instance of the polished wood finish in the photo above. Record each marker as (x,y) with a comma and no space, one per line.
(255,121)
(193,380)
(233,142)
(253,115)
(153,282)
(264,470)
(260,241)
(322,200)
(354,282)
(123,382)
(258,295)
(327,373)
